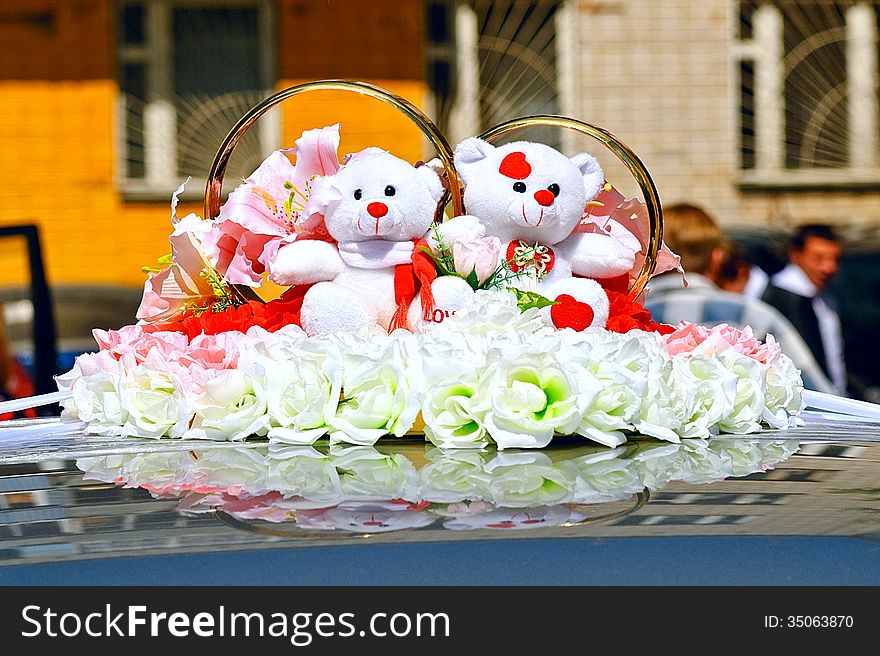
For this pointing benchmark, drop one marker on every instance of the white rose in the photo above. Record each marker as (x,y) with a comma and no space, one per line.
(709,391)
(381,395)
(748,409)
(229,409)
(95,382)
(453,412)
(300,384)
(664,407)
(783,395)
(154,402)
(531,397)
(494,311)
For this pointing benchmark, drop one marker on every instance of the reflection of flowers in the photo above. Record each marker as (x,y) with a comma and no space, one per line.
(361,489)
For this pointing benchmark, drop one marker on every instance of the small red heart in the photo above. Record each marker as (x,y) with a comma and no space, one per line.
(514,165)
(571,313)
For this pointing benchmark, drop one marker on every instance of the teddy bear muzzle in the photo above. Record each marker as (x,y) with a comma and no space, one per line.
(534,212)
(377,219)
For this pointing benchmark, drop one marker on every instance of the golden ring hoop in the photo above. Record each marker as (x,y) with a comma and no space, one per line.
(626,155)
(214,185)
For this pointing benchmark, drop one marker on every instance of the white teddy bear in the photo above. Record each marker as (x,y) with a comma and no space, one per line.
(532,197)
(376,207)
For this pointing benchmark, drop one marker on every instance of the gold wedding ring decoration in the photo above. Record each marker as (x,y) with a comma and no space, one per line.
(214,185)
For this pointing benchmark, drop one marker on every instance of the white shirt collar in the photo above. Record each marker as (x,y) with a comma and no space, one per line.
(793,279)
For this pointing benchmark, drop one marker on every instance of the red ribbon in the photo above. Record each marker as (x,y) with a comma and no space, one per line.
(411,278)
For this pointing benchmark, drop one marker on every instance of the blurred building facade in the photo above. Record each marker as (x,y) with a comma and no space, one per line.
(764,111)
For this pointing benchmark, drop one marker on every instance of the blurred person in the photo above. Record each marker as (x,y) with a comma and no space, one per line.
(15,383)
(692,233)
(800,292)
(732,271)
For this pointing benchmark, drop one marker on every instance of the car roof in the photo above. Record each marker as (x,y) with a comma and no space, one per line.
(796,506)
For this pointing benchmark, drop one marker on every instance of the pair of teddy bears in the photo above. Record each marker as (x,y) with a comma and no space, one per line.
(379,210)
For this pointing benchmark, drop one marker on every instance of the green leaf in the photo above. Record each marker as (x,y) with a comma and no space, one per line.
(439,262)
(526,300)
(472,279)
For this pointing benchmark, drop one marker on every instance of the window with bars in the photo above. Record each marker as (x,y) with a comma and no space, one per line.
(808,87)
(492,60)
(188,70)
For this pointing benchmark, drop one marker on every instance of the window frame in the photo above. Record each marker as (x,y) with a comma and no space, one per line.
(160,131)
(764,49)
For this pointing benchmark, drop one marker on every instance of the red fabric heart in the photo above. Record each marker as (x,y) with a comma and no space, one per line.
(515,166)
(571,313)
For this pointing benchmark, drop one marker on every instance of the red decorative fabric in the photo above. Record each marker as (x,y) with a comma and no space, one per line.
(412,278)
(625,315)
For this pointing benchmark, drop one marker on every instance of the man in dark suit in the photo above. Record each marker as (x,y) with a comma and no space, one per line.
(800,292)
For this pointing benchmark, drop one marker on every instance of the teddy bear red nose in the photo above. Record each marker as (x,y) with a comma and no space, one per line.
(378,210)
(544,197)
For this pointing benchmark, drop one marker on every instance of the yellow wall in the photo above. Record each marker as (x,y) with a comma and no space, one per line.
(57,104)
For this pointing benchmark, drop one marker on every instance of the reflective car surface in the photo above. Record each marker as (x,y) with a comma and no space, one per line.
(781,507)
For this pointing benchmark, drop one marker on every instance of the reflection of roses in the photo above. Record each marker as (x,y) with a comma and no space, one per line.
(367,474)
(608,477)
(453,476)
(521,480)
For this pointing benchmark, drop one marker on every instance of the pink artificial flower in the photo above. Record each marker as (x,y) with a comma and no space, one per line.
(139,343)
(690,338)
(480,254)
(170,292)
(269,208)
(627,221)
(218,351)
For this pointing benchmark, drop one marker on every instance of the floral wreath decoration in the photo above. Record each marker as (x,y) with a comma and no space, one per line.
(210,359)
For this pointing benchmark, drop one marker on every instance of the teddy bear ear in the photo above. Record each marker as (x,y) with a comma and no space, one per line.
(432,181)
(591,173)
(469,152)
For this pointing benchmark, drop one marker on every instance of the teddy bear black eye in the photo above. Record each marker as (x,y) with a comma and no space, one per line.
(390,191)
(358,194)
(520,187)
(553,189)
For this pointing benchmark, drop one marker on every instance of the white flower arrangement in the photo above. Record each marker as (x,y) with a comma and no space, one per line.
(491,374)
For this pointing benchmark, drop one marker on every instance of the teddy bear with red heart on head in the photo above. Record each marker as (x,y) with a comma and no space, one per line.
(532,197)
